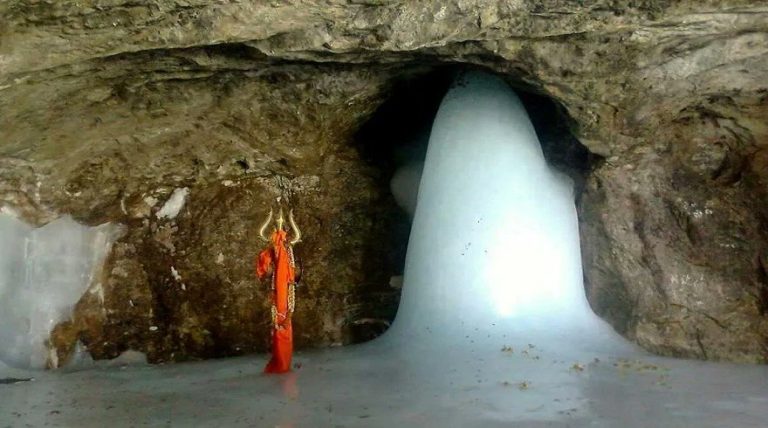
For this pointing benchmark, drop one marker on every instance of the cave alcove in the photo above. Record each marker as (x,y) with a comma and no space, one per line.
(396,136)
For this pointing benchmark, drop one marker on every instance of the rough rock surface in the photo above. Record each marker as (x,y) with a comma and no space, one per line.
(109,105)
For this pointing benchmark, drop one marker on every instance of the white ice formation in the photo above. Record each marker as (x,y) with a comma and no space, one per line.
(495,240)
(43,273)
(174,204)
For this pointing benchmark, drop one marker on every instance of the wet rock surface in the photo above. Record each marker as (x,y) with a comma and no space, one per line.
(107,107)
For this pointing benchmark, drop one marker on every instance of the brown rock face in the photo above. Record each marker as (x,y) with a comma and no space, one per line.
(185,287)
(677,262)
(107,107)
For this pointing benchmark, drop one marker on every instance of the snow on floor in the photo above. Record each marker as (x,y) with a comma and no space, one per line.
(493,328)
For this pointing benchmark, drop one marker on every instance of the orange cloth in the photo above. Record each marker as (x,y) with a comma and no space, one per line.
(278,260)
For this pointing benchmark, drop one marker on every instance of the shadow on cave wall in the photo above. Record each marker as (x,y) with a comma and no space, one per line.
(398,131)
(397,134)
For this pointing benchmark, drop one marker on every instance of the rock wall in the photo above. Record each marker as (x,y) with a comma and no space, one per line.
(236,140)
(241,101)
(675,242)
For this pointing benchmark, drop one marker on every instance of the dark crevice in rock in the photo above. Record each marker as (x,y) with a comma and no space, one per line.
(762,282)
(404,119)
(702,348)
(14,380)
(553,127)
(243,163)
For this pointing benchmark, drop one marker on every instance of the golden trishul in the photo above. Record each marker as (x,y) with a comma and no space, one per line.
(280,221)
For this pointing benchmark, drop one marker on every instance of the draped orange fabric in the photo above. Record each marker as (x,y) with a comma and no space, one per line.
(277,260)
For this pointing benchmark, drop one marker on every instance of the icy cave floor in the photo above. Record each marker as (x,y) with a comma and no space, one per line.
(479,382)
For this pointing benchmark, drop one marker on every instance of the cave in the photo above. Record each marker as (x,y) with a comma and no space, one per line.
(498,213)
(395,139)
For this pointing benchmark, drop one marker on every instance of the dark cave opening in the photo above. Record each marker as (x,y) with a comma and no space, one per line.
(395,134)
(394,142)
(398,131)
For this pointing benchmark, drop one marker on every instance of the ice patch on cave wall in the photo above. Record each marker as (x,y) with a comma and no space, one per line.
(43,273)
(174,204)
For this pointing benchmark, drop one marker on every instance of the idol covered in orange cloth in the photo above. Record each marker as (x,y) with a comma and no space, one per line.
(278,263)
